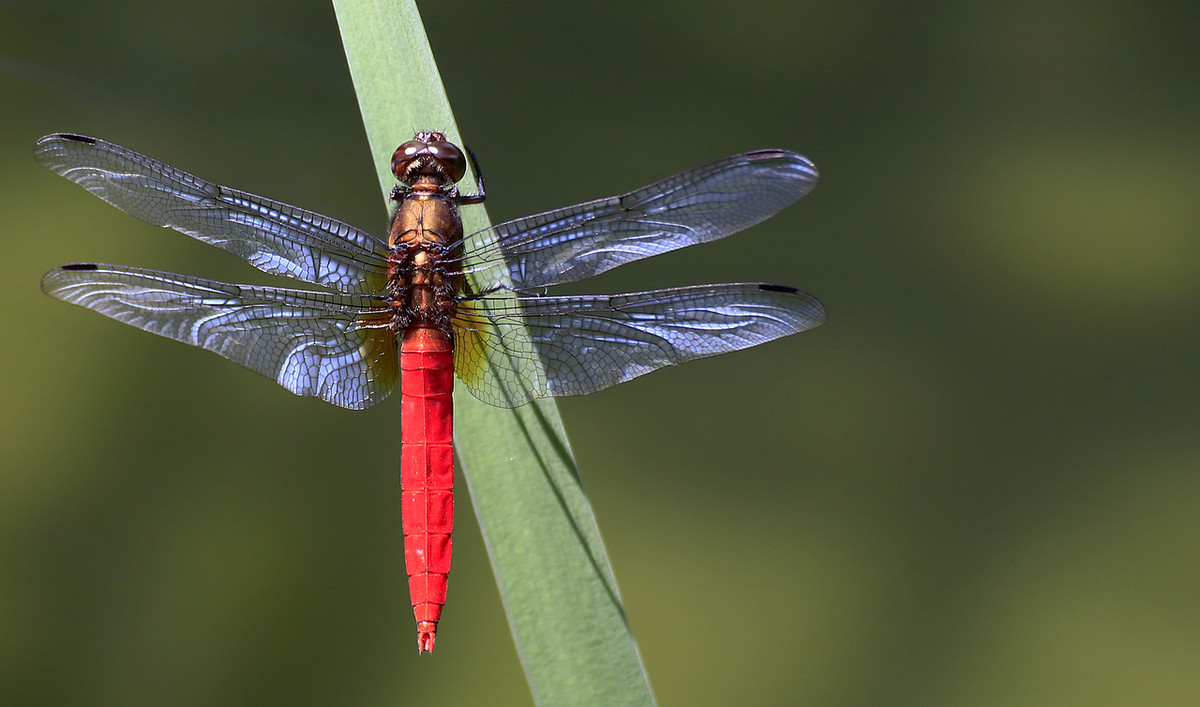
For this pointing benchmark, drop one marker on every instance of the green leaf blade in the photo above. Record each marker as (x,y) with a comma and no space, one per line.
(554,576)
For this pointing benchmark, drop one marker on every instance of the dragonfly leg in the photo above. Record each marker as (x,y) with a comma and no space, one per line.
(481,193)
(536,292)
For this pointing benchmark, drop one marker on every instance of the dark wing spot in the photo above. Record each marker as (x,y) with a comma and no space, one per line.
(78,138)
(80,266)
(778,288)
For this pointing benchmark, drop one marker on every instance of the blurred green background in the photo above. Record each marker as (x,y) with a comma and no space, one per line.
(975,485)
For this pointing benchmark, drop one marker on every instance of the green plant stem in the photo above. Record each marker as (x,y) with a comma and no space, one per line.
(554,577)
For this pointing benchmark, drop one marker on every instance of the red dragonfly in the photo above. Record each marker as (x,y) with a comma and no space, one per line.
(428,303)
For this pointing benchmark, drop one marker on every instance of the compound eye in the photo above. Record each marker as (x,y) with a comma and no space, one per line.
(404,156)
(452,159)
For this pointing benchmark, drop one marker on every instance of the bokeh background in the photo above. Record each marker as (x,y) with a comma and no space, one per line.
(977,484)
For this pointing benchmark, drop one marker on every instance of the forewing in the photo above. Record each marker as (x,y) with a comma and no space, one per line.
(581,344)
(334,347)
(696,206)
(272,236)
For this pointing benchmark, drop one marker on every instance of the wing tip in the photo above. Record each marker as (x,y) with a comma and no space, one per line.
(794,169)
(51,147)
(53,280)
(813,310)
(55,138)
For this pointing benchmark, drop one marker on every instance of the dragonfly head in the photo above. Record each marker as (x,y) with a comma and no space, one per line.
(429,154)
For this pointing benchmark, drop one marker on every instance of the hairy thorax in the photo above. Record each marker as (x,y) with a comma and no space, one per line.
(421,280)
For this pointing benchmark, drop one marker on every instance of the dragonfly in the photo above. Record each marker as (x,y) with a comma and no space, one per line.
(426,303)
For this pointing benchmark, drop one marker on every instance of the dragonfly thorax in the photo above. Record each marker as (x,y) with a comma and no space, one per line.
(423,241)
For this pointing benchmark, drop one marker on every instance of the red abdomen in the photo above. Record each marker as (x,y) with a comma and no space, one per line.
(427,472)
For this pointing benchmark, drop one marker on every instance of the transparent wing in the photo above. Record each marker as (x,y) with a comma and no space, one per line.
(270,235)
(696,206)
(338,348)
(581,344)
